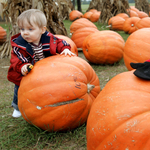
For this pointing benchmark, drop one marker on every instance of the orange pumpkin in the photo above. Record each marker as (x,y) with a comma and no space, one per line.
(80,34)
(75,14)
(72,44)
(123,15)
(3,35)
(116,23)
(81,23)
(93,10)
(120,118)
(143,23)
(132,13)
(87,15)
(103,47)
(134,9)
(137,47)
(129,24)
(95,16)
(58,93)
(142,14)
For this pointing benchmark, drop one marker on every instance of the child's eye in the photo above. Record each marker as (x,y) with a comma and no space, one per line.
(22,29)
(30,29)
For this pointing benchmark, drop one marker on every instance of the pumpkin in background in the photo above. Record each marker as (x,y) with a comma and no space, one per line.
(79,35)
(116,23)
(129,24)
(93,10)
(120,117)
(134,9)
(143,23)
(87,15)
(137,47)
(72,44)
(123,15)
(75,14)
(103,47)
(95,16)
(142,14)
(58,93)
(132,13)
(81,23)
(3,35)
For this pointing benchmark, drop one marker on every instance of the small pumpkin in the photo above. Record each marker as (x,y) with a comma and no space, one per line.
(116,23)
(58,93)
(3,35)
(72,44)
(120,117)
(129,25)
(75,14)
(81,23)
(80,34)
(136,48)
(103,47)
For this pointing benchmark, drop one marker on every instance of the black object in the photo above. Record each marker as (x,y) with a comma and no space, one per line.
(29,68)
(142,70)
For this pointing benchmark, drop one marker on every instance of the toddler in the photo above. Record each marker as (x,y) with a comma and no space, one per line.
(32,44)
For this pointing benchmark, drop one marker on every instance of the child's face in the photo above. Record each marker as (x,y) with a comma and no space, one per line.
(31,33)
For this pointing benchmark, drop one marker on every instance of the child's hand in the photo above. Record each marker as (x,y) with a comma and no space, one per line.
(67,52)
(24,69)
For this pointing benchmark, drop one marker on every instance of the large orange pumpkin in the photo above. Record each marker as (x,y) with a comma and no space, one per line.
(120,118)
(95,16)
(3,35)
(123,15)
(132,13)
(137,47)
(87,14)
(81,23)
(79,35)
(58,93)
(143,23)
(142,14)
(129,25)
(75,14)
(72,44)
(116,23)
(103,47)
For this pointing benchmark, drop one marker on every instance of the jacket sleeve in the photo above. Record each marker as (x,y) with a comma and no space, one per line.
(17,59)
(60,44)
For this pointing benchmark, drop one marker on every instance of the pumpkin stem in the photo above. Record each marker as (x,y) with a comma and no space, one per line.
(90,87)
(108,26)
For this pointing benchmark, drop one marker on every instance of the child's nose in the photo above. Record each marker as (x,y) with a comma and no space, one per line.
(25,31)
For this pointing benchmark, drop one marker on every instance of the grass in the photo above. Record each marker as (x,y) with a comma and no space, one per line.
(17,134)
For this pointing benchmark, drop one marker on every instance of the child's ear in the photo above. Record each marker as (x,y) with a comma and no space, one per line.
(43,29)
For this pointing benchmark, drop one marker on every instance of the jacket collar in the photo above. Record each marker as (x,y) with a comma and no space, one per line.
(18,41)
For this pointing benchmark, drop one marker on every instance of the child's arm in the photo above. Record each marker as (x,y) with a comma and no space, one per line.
(67,52)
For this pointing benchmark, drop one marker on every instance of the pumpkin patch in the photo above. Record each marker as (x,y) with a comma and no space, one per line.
(58,93)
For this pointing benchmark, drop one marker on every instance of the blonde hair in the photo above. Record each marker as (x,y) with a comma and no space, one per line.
(37,16)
